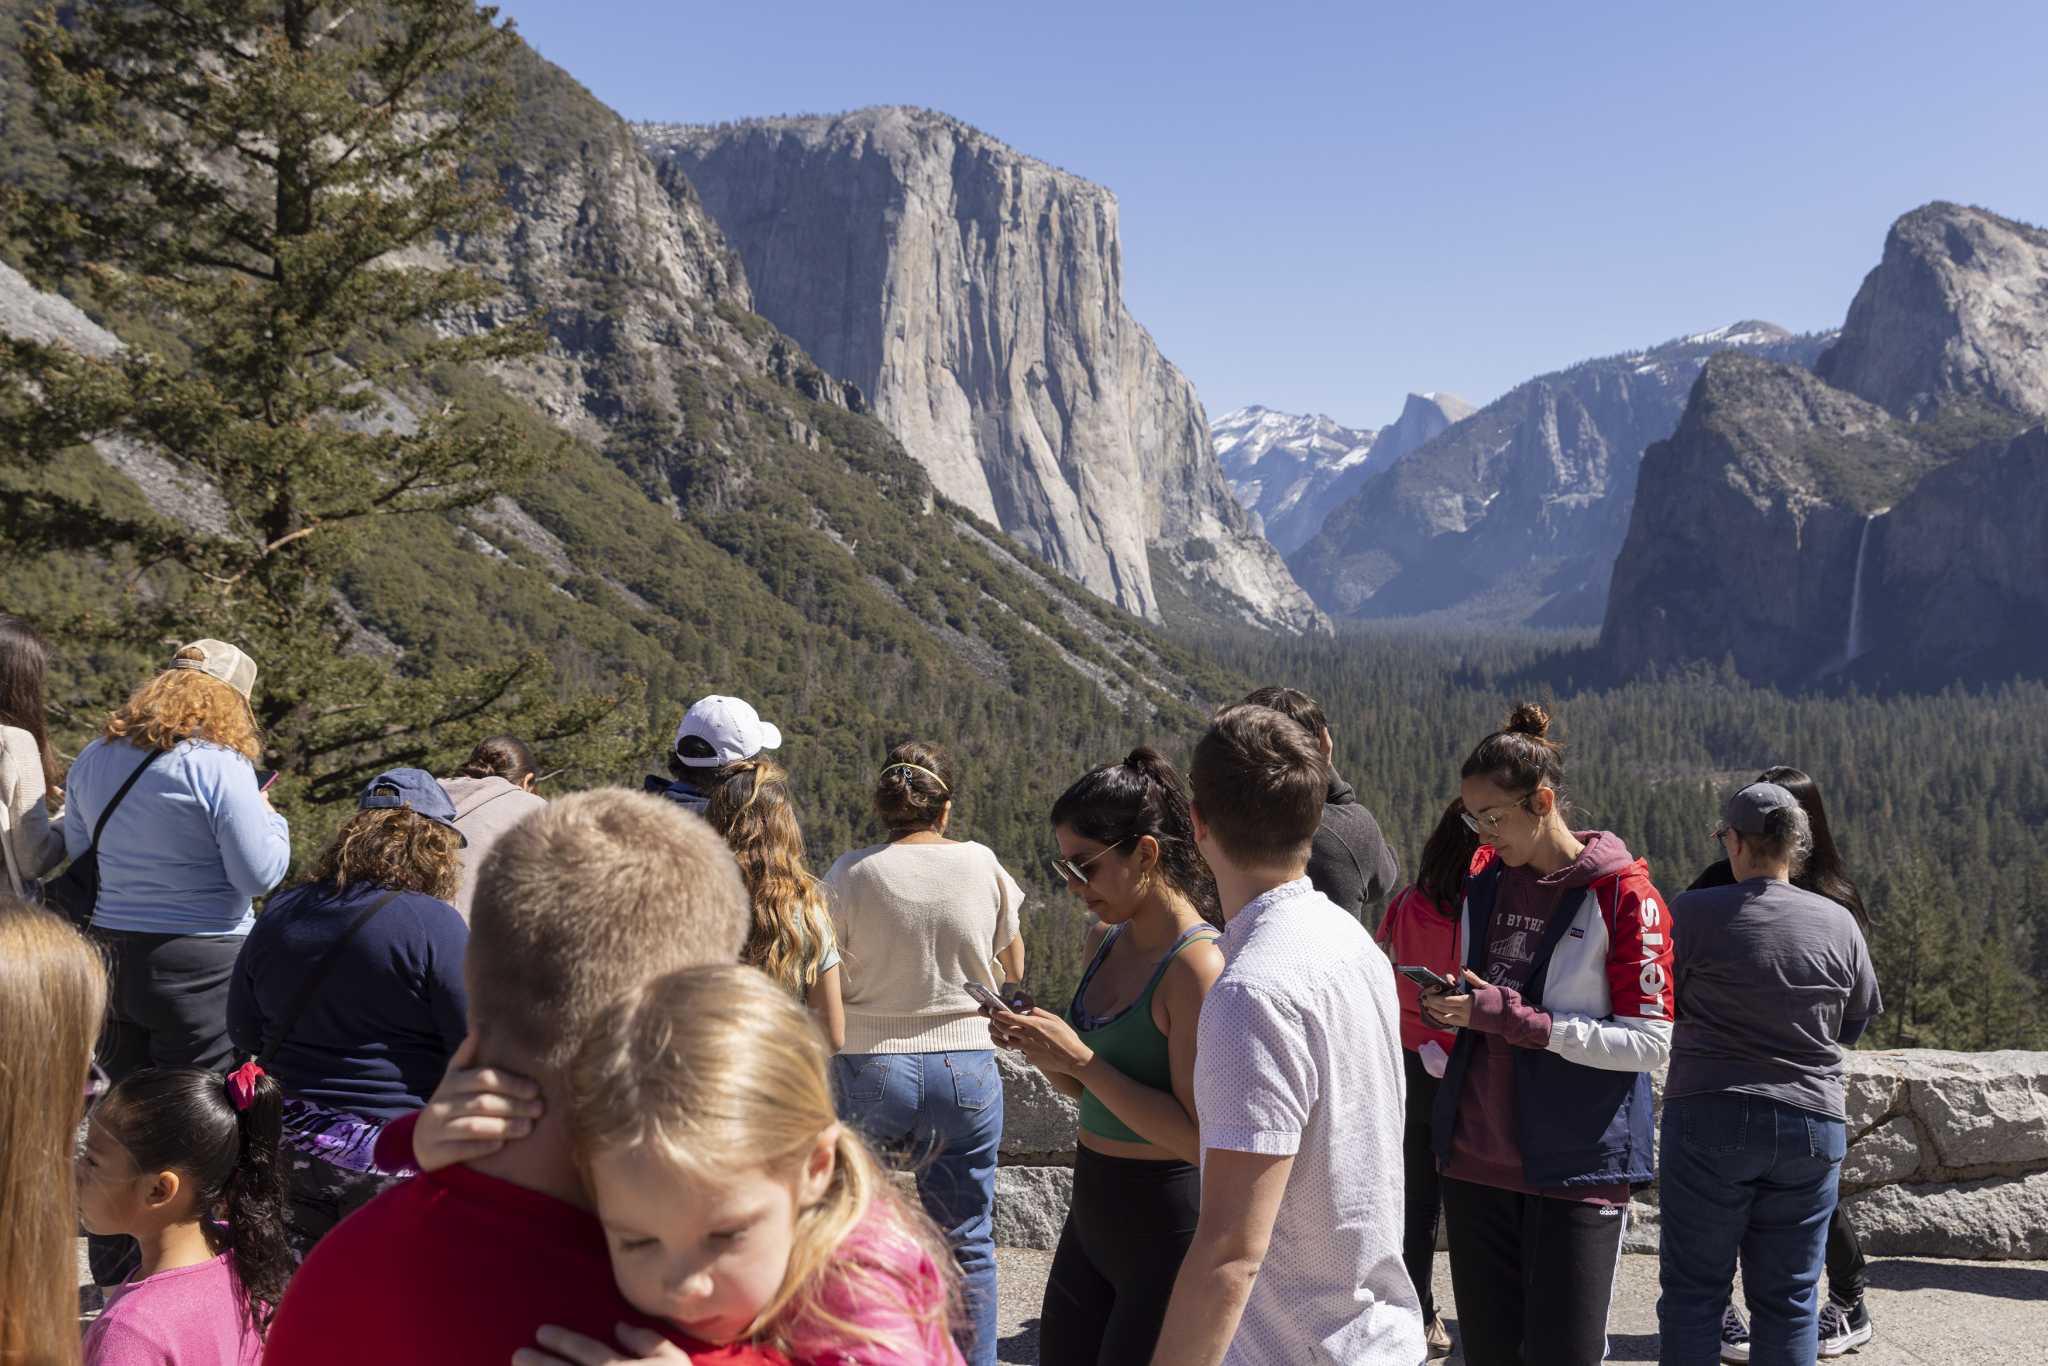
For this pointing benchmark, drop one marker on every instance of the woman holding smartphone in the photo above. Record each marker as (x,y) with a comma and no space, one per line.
(1126,1050)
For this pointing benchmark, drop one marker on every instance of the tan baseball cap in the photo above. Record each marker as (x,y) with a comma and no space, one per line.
(221,662)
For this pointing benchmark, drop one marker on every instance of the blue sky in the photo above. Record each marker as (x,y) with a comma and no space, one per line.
(1325,206)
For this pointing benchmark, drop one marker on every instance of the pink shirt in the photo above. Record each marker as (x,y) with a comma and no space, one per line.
(883,1282)
(189,1316)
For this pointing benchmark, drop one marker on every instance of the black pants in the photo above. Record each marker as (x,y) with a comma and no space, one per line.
(1533,1276)
(167,1002)
(1846,1267)
(167,1006)
(1126,1232)
(1423,1196)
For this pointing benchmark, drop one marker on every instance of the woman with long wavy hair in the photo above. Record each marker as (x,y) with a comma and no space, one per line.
(350,992)
(53,995)
(31,791)
(791,935)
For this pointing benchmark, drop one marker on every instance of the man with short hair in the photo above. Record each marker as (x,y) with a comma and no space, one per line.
(1298,1082)
(578,904)
(716,731)
(1350,862)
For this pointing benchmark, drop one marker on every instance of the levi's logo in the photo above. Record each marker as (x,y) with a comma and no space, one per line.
(1578,932)
(1651,978)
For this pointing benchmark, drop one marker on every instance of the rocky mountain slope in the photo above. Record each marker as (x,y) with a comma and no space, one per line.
(1883,519)
(1514,515)
(975,296)
(725,515)
(1294,470)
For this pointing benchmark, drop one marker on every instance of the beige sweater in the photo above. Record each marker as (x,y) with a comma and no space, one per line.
(34,838)
(914,921)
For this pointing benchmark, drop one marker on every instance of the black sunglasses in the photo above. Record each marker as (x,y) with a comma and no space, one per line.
(1073,872)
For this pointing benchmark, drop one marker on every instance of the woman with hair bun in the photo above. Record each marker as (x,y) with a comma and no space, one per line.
(1126,1050)
(916,917)
(492,793)
(1542,1123)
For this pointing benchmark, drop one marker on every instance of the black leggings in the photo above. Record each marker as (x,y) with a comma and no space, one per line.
(1846,1267)
(1533,1275)
(1423,1196)
(1128,1228)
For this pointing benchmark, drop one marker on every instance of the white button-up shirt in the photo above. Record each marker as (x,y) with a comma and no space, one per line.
(1299,1053)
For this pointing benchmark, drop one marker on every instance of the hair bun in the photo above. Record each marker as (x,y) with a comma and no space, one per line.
(1529,719)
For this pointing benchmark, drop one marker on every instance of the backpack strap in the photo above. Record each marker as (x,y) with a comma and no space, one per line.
(100,826)
(318,978)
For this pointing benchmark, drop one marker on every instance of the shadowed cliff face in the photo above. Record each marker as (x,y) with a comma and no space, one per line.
(976,296)
(1513,516)
(1883,520)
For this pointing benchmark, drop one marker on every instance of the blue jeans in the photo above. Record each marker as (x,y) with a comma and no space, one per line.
(946,1111)
(1741,1174)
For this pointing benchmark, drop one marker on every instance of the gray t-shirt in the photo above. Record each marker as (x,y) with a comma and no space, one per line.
(1767,973)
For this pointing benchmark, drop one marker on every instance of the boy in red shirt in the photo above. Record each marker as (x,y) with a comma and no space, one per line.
(576,905)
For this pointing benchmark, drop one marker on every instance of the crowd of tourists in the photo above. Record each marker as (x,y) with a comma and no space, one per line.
(612,1076)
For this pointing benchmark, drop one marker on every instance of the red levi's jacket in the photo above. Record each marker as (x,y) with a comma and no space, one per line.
(455,1268)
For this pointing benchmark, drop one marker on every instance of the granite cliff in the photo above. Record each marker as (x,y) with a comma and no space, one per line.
(1293,471)
(974,295)
(1513,516)
(1882,520)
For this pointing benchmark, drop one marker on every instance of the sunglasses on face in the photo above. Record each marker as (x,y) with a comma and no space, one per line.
(1077,873)
(1487,822)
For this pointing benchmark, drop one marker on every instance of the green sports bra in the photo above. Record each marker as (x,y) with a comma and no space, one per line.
(1128,1040)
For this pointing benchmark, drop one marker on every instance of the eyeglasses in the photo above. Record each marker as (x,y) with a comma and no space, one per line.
(1073,872)
(1487,822)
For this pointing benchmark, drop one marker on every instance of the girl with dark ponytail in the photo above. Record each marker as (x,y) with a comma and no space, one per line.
(1126,1050)
(186,1162)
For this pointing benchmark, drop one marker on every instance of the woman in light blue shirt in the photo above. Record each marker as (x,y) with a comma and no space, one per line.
(180,858)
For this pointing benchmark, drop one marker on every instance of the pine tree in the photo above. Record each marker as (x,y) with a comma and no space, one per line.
(251,190)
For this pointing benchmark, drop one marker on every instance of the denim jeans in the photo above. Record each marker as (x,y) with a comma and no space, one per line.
(1741,1174)
(945,1110)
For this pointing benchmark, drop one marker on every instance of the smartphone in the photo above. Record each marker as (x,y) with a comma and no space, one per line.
(264,780)
(986,998)
(1427,979)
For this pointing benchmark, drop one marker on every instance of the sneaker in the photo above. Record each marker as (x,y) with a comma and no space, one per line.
(1734,1335)
(1844,1327)
(1438,1337)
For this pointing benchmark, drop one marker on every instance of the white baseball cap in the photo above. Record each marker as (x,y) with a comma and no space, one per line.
(732,728)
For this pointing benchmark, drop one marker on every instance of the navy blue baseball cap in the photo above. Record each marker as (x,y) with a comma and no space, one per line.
(414,790)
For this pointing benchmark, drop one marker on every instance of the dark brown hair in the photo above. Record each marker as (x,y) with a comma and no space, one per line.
(501,756)
(1446,858)
(24,665)
(908,800)
(1141,796)
(1259,782)
(1293,702)
(1519,757)
(396,849)
(1824,873)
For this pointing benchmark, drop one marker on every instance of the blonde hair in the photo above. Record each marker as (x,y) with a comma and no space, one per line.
(787,939)
(583,901)
(396,849)
(717,1070)
(53,996)
(184,704)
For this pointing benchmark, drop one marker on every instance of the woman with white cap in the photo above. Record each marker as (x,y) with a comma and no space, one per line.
(349,991)
(185,836)
(715,732)
(915,919)
(1773,981)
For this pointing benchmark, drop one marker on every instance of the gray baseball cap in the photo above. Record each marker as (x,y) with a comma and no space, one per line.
(1748,811)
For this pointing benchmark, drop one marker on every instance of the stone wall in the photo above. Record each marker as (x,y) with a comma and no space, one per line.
(1948,1156)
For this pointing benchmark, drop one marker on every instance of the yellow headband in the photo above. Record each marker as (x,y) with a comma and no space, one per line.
(919,768)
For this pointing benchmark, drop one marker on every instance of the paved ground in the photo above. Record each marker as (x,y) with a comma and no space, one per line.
(1926,1312)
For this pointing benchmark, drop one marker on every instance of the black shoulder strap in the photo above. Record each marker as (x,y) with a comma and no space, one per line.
(318,977)
(100,826)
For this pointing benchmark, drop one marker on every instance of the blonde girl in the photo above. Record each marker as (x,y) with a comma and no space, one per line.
(735,1205)
(791,935)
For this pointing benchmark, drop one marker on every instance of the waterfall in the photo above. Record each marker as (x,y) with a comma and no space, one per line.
(1853,648)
